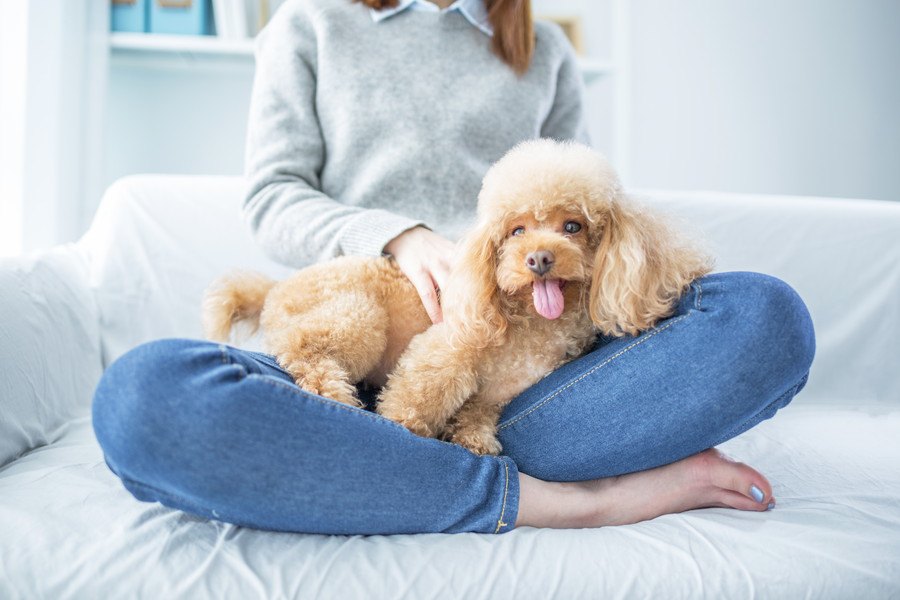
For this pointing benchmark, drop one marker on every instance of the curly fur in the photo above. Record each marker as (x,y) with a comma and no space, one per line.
(355,320)
(623,273)
(238,297)
(331,325)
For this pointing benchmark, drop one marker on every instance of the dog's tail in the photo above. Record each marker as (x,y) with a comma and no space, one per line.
(237,297)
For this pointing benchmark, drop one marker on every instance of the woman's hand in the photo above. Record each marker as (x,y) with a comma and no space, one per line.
(424,257)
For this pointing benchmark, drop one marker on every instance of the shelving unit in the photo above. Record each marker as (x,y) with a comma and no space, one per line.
(188,50)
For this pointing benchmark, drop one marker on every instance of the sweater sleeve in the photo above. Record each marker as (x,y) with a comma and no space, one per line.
(291,218)
(566,118)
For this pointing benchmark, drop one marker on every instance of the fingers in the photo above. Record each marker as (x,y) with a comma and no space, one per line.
(424,285)
(439,252)
(440,273)
(424,257)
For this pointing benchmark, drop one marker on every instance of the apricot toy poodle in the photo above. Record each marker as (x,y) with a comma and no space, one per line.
(558,255)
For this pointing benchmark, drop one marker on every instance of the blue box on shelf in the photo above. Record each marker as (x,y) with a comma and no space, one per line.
(187,17)
(129,15)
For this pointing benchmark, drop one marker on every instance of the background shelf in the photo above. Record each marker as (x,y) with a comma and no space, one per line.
(174,51)
(195,50)
(151,43)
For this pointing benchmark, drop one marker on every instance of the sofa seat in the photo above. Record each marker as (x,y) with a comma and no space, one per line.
(71,530)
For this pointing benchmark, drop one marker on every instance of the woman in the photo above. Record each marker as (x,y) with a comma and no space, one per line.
(371,126)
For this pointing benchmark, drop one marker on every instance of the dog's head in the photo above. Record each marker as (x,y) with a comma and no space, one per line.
(555,233)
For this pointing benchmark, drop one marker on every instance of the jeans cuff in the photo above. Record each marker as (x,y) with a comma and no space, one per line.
(509,506)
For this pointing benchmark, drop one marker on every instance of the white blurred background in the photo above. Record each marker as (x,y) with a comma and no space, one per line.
(770,96)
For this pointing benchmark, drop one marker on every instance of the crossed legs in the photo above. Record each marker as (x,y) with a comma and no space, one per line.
(618,436)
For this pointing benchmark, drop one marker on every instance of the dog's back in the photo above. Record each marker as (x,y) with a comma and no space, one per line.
(330,325)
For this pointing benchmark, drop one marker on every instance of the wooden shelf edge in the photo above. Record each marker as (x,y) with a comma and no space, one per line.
(179,44)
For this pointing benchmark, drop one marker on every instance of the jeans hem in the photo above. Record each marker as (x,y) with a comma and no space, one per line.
(509,506)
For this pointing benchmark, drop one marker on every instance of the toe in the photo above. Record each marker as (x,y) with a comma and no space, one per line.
(740,501)
(743,480)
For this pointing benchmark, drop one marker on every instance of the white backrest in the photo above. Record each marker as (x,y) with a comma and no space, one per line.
(842,257)
(158,241)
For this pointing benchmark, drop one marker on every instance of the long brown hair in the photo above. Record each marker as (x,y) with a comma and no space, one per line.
(511,20)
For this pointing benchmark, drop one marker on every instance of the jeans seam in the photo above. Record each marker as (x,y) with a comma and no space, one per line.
(699,294)
(500,523)
(326,401)
(592,370)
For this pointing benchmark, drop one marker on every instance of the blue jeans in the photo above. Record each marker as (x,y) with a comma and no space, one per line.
(225,434)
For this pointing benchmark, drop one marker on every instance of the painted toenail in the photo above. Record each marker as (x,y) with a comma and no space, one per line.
(771,506)
(756,493)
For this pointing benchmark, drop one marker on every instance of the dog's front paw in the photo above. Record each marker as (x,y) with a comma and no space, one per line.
(480,441)
(324,380)
(343,394)
(407,417)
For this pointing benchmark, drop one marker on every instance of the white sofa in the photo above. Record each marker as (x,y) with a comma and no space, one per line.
(68,529)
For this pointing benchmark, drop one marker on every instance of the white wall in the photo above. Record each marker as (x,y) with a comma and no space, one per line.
(175,116)
(51,80)
(596,17)
(13,66)
(797,97)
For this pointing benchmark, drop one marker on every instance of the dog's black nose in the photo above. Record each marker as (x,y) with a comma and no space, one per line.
(540,261)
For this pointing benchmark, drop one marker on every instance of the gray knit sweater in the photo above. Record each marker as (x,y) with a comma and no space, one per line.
(360,130)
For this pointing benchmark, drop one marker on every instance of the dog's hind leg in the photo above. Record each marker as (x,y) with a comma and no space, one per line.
(331,348)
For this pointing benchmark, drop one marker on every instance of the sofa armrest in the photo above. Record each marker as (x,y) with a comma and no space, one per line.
(49,347)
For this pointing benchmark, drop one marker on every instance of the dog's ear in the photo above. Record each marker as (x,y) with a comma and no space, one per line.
(641,268)
(471,304)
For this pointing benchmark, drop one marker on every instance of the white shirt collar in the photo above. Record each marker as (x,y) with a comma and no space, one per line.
(473,10)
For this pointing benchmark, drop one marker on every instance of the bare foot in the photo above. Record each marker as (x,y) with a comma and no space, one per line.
(707,479)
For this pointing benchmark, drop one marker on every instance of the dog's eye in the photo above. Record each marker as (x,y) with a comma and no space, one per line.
(572,227)
(518,231)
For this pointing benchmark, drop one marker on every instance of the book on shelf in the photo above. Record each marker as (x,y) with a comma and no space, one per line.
(242,19)
(231,19)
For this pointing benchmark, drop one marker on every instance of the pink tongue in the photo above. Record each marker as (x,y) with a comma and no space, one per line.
(548,298)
